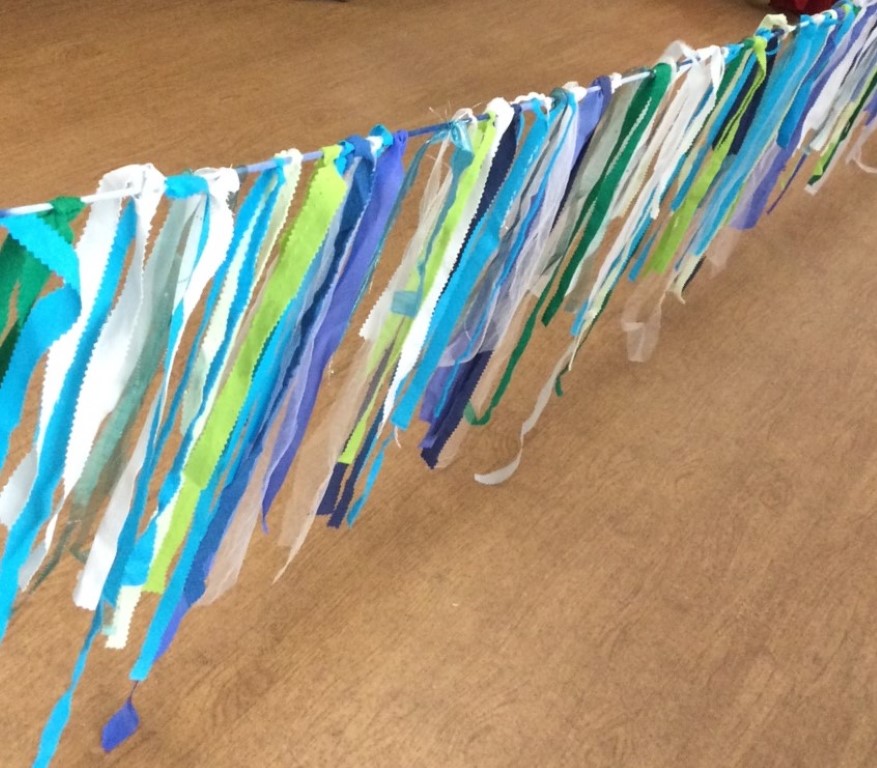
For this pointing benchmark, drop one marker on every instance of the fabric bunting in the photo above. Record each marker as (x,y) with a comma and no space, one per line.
(179,342)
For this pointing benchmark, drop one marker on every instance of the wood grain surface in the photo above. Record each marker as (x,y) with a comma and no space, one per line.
(681,574)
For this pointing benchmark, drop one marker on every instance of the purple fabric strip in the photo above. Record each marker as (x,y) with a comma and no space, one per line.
(120,727)
(303,327)
(749,214)
(465,376)
(339,511)
(388,180)
(432,398)
(591,110)
(446,423)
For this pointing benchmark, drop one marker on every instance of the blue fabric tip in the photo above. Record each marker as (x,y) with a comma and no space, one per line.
(405,303)
(120,727)
(185,185)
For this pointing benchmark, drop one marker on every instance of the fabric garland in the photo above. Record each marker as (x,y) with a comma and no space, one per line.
(183,378)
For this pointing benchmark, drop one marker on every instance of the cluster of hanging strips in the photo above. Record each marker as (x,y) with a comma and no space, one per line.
(181,361)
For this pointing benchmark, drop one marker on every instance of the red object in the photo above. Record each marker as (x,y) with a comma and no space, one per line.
(802,6)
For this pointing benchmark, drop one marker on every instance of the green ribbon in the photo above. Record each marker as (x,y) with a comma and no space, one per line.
(830,152)
(591,219)
(680,221)
(20,270)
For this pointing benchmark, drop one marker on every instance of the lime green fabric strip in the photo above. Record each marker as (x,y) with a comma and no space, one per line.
(299,246)
(681,219)
(392,334)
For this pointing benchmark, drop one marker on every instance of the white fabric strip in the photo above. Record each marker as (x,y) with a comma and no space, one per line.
(195,274)
(93,250)
(112,361)
(676,129)
(503,113)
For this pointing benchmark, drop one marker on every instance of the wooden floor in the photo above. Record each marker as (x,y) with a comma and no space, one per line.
(681,575)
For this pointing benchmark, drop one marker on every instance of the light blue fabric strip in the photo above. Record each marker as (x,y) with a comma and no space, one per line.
(460,161)
(780,90)
(259,206)
(254,406)
(48,321)
(255,212)
(38,507)
(511,252)
(482,246)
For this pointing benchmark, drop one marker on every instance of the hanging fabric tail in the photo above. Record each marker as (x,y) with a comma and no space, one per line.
(249,376)
(110,560)
(546,232)
(449,242)
(582,221)
(501,285)
(324,444)
(676,131)
(359,158)
(258,225)
(196,235)
(593,219)
(326,336)
(101,253)
(391,317)
(110,366)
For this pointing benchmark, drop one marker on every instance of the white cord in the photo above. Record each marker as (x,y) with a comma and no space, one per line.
(23,210)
